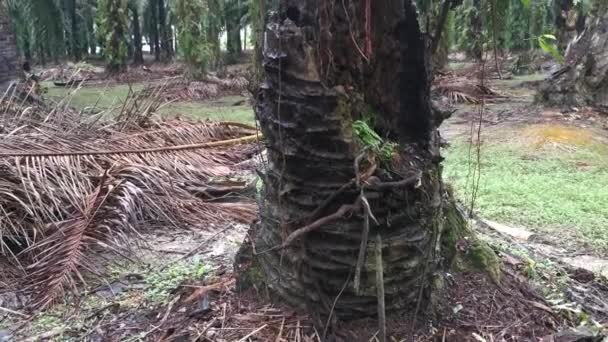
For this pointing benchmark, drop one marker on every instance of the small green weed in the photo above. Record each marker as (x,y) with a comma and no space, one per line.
(102,98)
(369,138)
(218,111)
(161,284)
(161,281)
(99,97)
(47,321)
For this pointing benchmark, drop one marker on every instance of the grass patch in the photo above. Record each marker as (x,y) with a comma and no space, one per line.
(87,97)
(551,188)
(163,283)
(159,289)
(229,108)
(217,111)
(520,80)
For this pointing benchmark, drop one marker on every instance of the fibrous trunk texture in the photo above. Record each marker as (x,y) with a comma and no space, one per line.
(327,65)
(583,79)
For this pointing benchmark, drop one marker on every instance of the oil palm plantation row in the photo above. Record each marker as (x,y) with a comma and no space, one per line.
(118,30)
(53,30)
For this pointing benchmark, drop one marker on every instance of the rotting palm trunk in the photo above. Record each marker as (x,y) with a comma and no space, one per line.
(328,65)
(583,79)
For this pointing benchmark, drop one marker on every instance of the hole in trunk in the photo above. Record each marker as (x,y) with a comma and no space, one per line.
(293,13)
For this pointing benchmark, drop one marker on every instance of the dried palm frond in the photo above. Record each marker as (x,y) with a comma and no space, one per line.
(72,185)
(465,92)
(210,88)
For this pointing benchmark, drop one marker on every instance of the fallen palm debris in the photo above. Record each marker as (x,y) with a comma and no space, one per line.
(180,89)
(462,89)
(72,185)
(214,309)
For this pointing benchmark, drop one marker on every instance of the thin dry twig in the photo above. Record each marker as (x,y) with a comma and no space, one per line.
(280,335)
(380,289)
(224,143)
(363,247)
(253,333)
(47,335)
(333,307)
(162,321)
(13,312)
(206,328)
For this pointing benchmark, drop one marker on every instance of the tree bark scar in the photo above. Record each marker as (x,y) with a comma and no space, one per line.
(415,119)
(368,28)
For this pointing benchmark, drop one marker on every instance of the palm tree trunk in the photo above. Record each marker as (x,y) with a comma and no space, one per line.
(477,31)
(326,68)
(155,46)
(446,6)
(115,43)
(41,55)
(583,79)
(561,8)
(138,55)
(232,37)
(439,46)
(165,41)
(75,45)
(9,57)
(213,35)
(257,30)
(91,44)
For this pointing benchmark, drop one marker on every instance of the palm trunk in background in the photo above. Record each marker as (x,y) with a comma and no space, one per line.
(75,37)
(138,55)
(155,33)
(165,44)
(9,68)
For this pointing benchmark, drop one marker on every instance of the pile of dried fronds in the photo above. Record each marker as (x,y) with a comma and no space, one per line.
(74,185)
(71,73)
(212,87)
(459,89)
